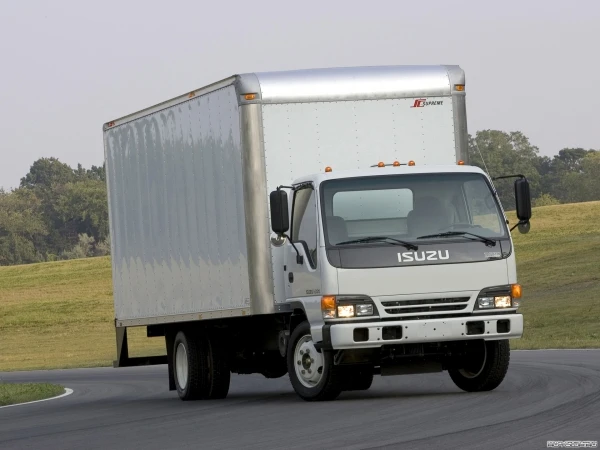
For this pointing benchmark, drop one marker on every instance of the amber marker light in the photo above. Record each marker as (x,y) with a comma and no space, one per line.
(328,306)
(516,291)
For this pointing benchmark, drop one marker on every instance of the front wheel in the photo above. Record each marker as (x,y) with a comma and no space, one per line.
(313,375)
(484,367)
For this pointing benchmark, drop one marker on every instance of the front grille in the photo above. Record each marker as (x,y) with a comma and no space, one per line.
(426,305)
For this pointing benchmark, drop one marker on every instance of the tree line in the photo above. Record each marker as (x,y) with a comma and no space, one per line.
(58,212)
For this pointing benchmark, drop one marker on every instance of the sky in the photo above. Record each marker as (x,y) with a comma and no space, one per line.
(67,67)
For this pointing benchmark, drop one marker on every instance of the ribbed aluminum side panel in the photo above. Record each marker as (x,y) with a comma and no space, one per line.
(177,210)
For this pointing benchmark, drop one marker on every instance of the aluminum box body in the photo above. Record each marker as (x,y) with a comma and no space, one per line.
(189,179)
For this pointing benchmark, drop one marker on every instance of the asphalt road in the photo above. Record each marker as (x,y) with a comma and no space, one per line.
(547,395)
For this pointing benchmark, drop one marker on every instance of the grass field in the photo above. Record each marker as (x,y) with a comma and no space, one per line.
(61,314)
(11,393)
(558,264)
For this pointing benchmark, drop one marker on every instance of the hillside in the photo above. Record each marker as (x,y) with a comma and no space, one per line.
(60,314)
(559,268)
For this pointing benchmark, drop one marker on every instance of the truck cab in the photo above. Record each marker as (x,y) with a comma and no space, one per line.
(398,269)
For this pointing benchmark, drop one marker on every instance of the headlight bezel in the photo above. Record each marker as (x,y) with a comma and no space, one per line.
(499,298)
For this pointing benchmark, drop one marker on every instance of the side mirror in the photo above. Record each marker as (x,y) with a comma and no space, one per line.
(280,220)
(523,200)
(524,227)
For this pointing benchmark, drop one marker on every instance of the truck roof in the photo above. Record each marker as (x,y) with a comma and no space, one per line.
(352,83)
(375,171)
(327,85)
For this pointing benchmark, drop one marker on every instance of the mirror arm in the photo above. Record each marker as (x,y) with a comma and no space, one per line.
(299,258)
(521,222)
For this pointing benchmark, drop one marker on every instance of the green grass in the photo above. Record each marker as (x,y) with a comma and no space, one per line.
(12,393)
(58,315)
(558,265)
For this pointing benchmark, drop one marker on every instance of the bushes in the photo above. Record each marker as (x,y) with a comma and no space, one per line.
(87,247)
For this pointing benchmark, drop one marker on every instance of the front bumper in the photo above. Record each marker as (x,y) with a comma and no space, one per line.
(356,335)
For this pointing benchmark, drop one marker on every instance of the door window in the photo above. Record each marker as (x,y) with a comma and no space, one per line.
(304,222)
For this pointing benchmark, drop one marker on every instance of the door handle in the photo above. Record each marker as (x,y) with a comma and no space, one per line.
(291,277)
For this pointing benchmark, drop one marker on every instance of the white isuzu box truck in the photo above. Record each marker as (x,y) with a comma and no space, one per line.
(321,223)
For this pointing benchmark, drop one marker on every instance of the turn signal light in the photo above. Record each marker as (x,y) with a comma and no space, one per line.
(459,87)
(328,306)
(250,96)
(516,291)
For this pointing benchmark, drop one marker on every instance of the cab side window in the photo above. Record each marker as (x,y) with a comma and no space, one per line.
(304,222)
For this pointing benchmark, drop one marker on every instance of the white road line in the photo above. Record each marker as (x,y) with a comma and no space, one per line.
(67,392)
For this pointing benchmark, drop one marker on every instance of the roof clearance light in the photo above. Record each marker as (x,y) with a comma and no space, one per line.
(381,164)
(396,164)
(459,87)
(461,163)
(411,163)
(328,169)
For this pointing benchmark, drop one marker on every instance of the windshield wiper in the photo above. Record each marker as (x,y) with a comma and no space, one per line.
(393,241)
(487,241)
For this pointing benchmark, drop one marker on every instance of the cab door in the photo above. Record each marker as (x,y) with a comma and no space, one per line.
(303,279)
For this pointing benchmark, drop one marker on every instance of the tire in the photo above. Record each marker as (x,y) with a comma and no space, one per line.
(187,367)
(321,380)
(484,368)
(217,375)
(359,378)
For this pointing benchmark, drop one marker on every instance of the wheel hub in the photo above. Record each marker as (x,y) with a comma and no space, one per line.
(181,365)
(309,363)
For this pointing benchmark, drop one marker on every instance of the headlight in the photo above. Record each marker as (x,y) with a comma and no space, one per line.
(485,302)
(364,310)
(503,302)
(345,311)
(346,307)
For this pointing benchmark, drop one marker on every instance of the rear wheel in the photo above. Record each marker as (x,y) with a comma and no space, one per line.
(200,366)
(187,367)
(312,374)
(217,377)
(484,367)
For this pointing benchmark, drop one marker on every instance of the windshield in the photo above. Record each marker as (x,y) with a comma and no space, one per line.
(410,208)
